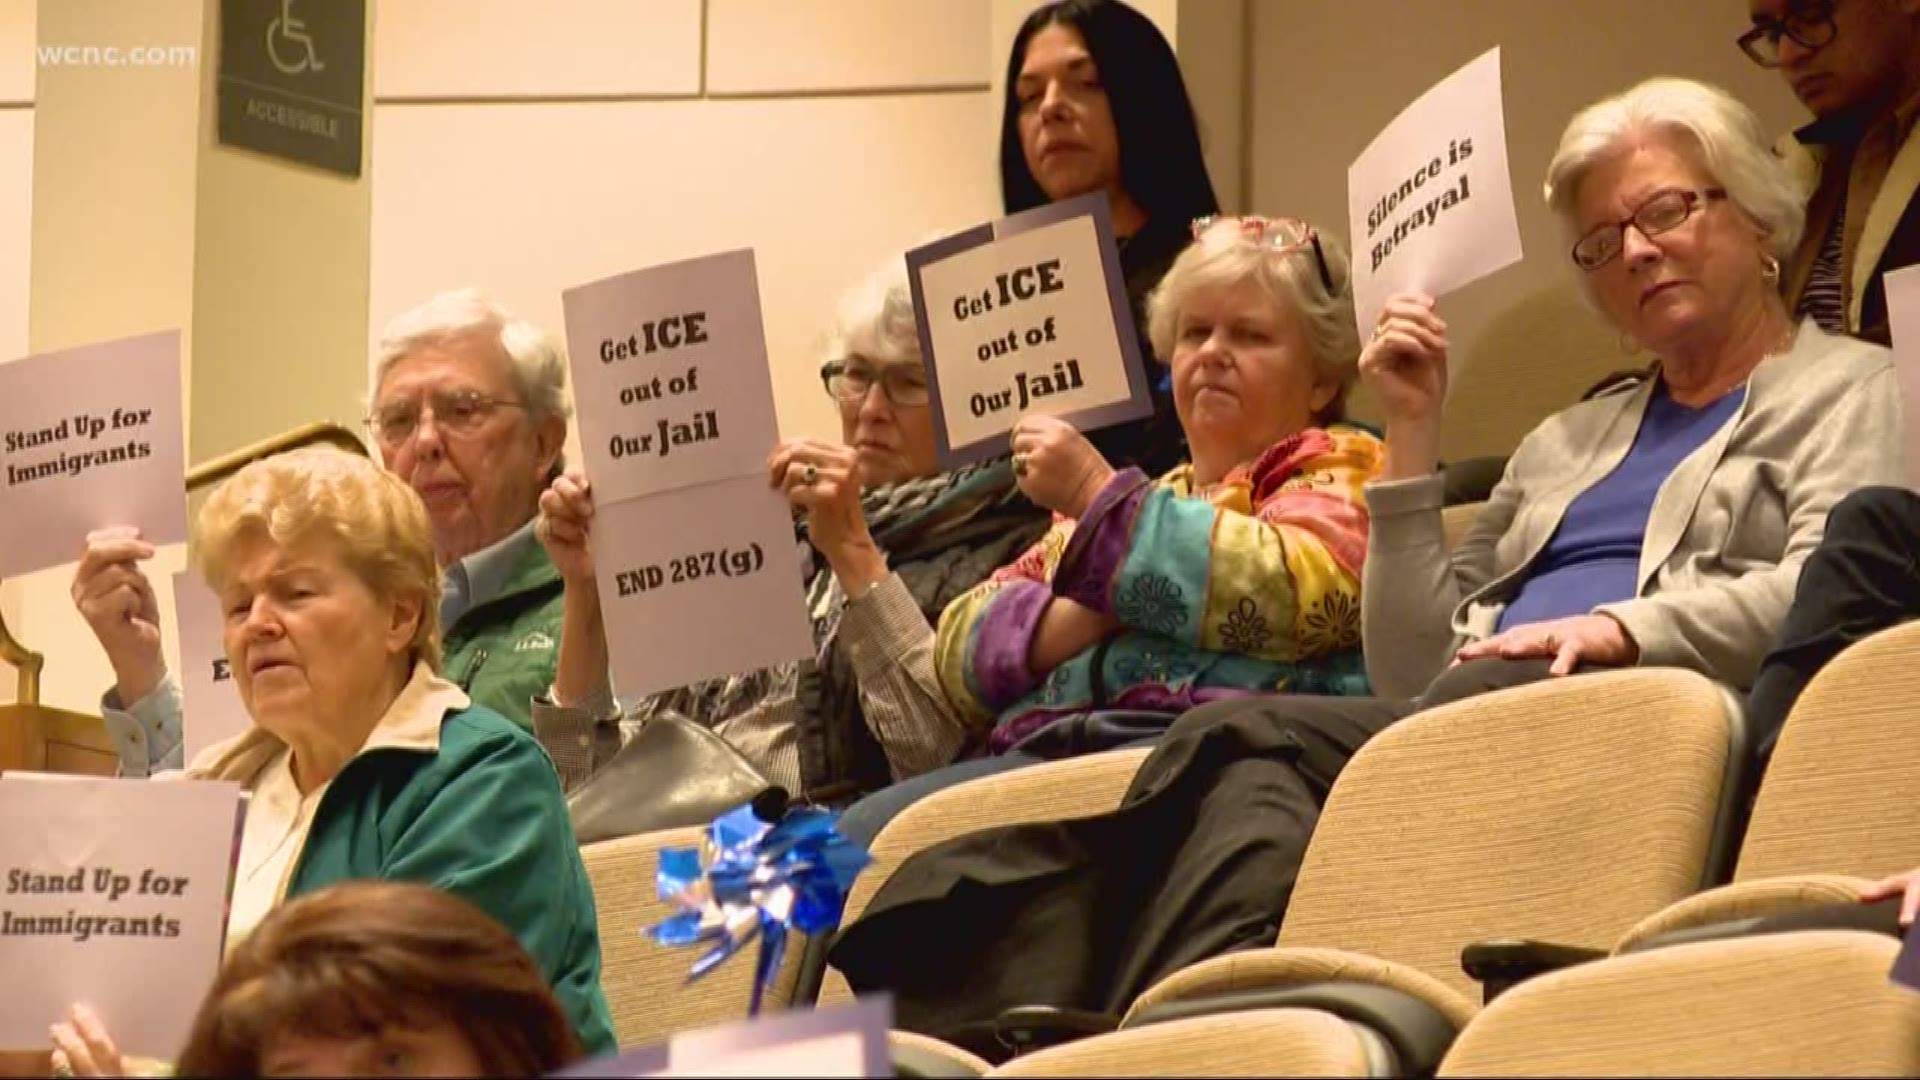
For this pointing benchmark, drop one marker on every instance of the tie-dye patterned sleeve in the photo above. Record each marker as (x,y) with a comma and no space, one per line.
(985,634)
(1267,564)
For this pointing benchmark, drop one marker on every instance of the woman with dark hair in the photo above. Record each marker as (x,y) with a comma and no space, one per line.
(1095,103)
(373,978)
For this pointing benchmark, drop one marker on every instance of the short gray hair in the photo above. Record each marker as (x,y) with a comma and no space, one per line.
(1728,137)
(538,365)
(1225,256)
(875,319)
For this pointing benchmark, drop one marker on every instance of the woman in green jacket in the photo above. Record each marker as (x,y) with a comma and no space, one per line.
(363,762)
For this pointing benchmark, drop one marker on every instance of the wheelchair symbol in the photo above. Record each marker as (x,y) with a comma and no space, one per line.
(293,32)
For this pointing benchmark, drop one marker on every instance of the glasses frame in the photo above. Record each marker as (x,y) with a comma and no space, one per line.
(482,404)
(834,369)
(1694,198)
(1274,233)
(1815,21)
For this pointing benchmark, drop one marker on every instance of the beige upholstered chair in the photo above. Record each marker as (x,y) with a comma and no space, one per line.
(1815,1003)
(645,982)
(1054,791)
(1271,1042)
(1840,802)
(1564,811)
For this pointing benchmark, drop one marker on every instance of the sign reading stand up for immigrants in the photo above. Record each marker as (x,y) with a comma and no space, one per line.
(1430,201)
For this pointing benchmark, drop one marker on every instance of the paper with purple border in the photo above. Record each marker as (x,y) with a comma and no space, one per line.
(210,699)
(141,840)
(838,1041)
(1903,318)
(1906,965)
(699,582)
(1026,314)
(670,378)
(92,439)
(1430,200)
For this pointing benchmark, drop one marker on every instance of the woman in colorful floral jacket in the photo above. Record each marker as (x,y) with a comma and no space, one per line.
(1235,574)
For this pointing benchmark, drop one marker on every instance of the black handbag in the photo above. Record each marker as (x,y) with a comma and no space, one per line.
(671,774)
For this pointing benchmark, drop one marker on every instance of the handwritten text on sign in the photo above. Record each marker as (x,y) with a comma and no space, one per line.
(90,438)
(1430,201)
(1026,315)
(670,376)
(114,894)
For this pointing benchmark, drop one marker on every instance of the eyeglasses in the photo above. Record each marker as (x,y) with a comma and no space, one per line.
(903,383)
(1810,25)
(457,411)
(1282,234)
(1667,210)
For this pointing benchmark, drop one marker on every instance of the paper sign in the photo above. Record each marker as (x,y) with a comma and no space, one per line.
(670,376)
(113,894)
(210,698)
(90,438)
(838,1041)
(700,582)
(1430,202)
(1903,319)
(1027,314)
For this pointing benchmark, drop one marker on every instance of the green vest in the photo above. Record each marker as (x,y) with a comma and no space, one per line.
(503,652)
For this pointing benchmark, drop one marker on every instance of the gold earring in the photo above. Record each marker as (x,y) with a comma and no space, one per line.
(1770,269)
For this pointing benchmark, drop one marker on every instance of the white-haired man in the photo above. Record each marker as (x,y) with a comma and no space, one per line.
(469,405)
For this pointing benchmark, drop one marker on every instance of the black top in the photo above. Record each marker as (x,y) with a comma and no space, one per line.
(1156,444)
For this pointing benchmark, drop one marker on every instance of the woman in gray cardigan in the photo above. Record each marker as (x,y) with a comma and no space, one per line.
(1661,524)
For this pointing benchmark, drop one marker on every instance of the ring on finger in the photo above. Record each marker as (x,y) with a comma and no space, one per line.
(1020,464)
(809,473)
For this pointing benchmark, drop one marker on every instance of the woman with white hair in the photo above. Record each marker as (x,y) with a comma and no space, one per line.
(1659,524)
(1235,574)
(893,540)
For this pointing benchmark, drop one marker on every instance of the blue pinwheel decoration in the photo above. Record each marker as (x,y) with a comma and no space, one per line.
(750,879)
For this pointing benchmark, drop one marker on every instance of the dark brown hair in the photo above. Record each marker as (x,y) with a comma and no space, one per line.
(360,957)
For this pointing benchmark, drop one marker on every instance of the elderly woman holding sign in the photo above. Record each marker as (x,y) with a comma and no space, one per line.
(1235,574)
(893,540)
(363,761)
(1661,524)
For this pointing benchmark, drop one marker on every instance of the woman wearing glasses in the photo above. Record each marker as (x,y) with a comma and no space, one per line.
(894,540)
(1661,524)
(1235,574)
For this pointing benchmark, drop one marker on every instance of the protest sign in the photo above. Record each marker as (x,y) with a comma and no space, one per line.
(694,553)
(211,706)
(1026,314)
(90,438)
(112,894)
(1430,201)
(1903,319)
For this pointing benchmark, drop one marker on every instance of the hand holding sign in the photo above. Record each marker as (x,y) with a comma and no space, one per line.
(1430,201)
(115,598)
(1058,469)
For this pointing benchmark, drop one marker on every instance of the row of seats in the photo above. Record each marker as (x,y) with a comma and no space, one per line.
(1595,814)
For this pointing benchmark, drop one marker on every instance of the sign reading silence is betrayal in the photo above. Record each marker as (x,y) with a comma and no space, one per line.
(292,79)
(1430,201)
(112,893)
(694,552)
(90,438)
(1026,314)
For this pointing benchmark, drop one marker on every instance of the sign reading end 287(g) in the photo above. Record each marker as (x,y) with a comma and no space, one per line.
(292,79)
(1027,314)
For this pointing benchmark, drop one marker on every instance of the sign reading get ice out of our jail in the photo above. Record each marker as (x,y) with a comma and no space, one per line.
(1026,314)
(1430,201)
